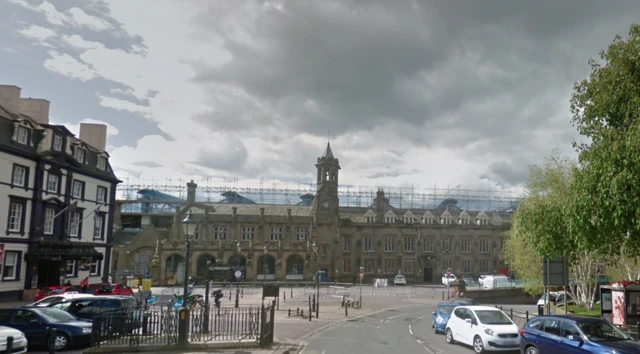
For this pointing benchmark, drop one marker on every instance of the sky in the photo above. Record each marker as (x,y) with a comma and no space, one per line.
(422,93)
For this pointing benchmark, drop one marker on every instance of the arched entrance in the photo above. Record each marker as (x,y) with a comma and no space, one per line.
(427,270)
(295,267)
(266,268)
(237,262)
(201,265)
(174,269)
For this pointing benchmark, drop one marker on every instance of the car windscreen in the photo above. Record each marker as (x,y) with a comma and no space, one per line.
(399,276)
(493,317)
(48,301)
(53,315)
(446,309)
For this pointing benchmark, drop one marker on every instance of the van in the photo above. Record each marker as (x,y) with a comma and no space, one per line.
(493,281)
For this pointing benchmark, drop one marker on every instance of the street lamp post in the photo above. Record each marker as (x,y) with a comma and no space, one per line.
(207,288)
(188,225)
(239,248)
(317,281)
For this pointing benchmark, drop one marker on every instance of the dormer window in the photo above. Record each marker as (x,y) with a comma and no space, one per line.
(80,154)
(463,221)
(23,135)
(408,219)
(445,221)
(102,163)
(370,219)
(483,222)
(57,143)
(389,219)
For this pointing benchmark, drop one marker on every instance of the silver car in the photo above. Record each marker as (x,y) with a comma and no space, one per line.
(19,340)
(399,280)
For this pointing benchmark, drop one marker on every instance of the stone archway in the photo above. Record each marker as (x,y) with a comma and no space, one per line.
(266,267)
(174,269)
(201,265)
(295,267)
(427,269)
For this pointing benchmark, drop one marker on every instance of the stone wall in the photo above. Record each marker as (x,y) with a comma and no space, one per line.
(501,296)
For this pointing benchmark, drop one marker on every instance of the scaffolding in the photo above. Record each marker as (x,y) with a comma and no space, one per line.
(413,197)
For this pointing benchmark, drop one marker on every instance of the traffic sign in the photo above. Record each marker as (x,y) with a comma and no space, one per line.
(448,271)
(151,300)
(177,305)
(238,274)
(361,274)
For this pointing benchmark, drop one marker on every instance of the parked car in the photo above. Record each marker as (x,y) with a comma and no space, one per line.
(494,281)
(446,280)
(441,316)
(574,334)
(483,328)
(464,301)
(35,322)
(469,280)
(114,289)
(55,290)
(400,280)
(20,341)
(47,301)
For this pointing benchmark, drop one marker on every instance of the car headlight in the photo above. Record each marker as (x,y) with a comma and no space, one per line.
(86,330)
(488,331)
(439,319)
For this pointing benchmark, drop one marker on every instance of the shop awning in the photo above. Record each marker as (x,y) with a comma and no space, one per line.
(65,251)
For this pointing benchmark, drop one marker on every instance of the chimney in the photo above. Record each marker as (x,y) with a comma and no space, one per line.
(94,135)
(380,205)
(10,98)
(191,191)
(36,108)
(289,215)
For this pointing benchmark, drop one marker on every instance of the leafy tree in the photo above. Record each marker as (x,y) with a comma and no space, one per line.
(520,254)
(605,210)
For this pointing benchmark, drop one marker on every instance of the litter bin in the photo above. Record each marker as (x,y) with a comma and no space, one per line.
(540,310)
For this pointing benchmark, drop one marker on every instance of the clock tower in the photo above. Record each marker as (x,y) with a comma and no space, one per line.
(326,200)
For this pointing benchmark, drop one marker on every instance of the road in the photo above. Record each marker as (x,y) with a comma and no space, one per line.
(401,331)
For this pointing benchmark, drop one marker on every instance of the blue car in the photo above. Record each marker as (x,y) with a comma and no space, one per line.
(574,334)
(441,315)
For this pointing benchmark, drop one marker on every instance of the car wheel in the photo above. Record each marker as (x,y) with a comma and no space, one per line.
(61,341)
(531,350)
(478,345)
(449,334)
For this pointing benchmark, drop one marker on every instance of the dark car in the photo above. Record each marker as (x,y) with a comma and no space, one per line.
(464,301)
(35,322)
(574,334)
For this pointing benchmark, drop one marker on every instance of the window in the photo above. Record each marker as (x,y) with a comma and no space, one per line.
(483,222)
(15,222)
(389,266)
(102,163)
(446,245)
(19,176)
(324,249)
(408,219)
(427,220)
(77,189)
(142,260)
(390,219)
(74,224)
(98,226)
(57,143)
(346,247)
(409,244)
(446,264)
(346,266)
(302,234)
(70,269)
(248,232)
(466,245)
(101,196)
(49,215)
(464,221)
(484,266)
(445,221)
(53,183)
(370,219)
(427,245)
(10,265)
(369,244)
(484,245)
(389,244)
(220,233)
(466,266)
(80,154)
(95,267)
(369,266)
(275,234)
(23,135)
(409,266)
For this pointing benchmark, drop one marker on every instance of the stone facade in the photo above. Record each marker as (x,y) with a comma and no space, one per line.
(385,240)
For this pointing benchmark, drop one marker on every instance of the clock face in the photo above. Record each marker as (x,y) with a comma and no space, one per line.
(325,203)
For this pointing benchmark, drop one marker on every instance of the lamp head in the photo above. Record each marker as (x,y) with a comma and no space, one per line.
(315,247)
(188,224)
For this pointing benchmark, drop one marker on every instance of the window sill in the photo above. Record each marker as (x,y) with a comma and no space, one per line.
(4,280)
(70,276)
(21,233)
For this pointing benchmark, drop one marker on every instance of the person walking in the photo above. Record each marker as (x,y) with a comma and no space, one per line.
(84,284)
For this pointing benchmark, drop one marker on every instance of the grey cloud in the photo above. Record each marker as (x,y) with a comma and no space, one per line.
(230,156)
(149,164)
(507,173)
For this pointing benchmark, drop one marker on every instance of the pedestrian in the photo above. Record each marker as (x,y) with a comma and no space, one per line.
(84,284)
(68,283)
(217,296)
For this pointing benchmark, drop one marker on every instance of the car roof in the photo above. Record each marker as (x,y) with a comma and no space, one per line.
(447,303)
(480,308)
(571,317)
(463,298)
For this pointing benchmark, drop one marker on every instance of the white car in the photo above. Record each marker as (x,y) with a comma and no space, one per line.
(19,340)
(484,328)
(399,280)
(57,298)
(446,280)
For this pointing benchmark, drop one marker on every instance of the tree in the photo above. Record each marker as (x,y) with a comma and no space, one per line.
(627,268)
(604,215)
(520,254)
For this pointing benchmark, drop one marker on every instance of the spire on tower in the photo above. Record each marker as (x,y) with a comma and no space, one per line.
(327,152)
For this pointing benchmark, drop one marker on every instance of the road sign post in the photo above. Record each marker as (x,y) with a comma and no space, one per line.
(238,274)
(361,277)
(448,283)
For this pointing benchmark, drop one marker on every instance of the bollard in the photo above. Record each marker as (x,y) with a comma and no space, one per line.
(342,305)
(309,301)
(298,311)
(289,314)
(9,345)
(278,303)
(52,340)
(511,313)
(314,302)
(242,292)
(346,311)
(500,308)
(284,296)
(229,295)
(527,314)
(291,293)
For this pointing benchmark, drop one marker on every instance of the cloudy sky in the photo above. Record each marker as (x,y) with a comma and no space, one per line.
(410,92)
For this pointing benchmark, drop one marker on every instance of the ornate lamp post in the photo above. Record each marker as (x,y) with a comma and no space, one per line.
(188,226)
(239,248)
(317,280)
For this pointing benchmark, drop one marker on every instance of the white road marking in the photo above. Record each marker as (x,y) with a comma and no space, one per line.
(410,331)
(424,346)
(397,316)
